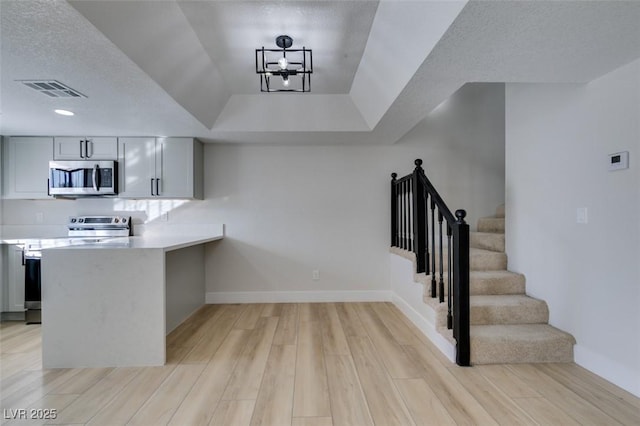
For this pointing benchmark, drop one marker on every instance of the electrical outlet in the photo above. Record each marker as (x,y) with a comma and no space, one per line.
(315,275)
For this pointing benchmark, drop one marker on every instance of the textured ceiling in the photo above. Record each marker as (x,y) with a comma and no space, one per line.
(187,67)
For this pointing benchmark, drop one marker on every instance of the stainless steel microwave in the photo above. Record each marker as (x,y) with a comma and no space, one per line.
(81,178)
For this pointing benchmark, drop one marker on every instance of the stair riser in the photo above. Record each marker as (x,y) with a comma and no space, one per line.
(521,352)
(491,224)
(529,314)
(487,241)
(484,315)
(500,211)
(485,261)
(483,286)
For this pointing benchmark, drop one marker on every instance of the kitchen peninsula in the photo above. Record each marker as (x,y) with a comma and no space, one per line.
(112,303)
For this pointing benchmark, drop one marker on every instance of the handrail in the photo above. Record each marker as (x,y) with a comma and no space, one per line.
(413,197)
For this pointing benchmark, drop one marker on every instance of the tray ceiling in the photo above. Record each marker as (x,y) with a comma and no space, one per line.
(188,67)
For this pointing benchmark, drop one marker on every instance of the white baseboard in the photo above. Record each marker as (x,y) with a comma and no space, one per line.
(617,374)
(426,327)
(296,296)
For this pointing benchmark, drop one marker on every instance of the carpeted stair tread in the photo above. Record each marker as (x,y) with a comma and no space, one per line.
(508,309)
(491,224)
(487,240)
(496,282)
(521,343)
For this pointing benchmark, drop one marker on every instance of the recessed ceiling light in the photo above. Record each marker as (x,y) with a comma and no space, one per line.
(63,112)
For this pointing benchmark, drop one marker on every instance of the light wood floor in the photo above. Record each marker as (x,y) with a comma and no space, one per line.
(304,364)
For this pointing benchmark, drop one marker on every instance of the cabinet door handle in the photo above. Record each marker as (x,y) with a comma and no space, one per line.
(88,143)
(23,262)
(158,187)
(152,187)
(81,154)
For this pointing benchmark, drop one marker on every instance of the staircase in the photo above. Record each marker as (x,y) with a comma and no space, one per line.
(507,326)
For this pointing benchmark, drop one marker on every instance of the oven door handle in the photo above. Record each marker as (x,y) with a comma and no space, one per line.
(95,178)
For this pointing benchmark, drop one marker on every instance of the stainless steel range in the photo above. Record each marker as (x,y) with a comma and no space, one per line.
(99,226)
(81,230)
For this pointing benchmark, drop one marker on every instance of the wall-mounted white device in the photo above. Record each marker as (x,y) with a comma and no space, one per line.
(619,160)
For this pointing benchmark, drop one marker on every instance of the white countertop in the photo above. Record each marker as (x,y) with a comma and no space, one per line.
(166,239)
(163,242)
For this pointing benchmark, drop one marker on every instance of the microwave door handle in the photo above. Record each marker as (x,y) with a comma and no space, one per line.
(95,178)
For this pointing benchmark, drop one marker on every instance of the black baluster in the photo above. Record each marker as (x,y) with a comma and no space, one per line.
(449,276)
(394,210)
(441,252)
(433,248)
(425,218)
(406,215)
(399,215)
(403,245)
(411,215)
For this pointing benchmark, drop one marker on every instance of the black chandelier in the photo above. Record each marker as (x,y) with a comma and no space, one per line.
(292,66)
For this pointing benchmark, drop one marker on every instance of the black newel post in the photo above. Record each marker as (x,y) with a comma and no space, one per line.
(461,290)
(419,218)
(394,210)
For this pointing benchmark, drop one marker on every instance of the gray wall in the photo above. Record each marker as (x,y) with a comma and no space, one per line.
(290,210)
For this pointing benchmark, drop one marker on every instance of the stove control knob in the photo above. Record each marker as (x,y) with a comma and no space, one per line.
(116,220)
(73,220)
(124,220)
(80,220)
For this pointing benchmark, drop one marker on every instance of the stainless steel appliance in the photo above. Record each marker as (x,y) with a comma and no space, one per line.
(82,178)
(32,287)
(81,230)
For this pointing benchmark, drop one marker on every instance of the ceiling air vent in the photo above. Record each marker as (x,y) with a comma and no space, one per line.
(52,88)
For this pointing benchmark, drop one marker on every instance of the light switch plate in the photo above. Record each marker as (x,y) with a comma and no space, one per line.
(581,215)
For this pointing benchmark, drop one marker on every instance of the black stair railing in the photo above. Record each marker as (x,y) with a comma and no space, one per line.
(416,206)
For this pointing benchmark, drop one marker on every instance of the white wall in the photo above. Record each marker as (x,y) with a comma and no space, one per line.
(558,138)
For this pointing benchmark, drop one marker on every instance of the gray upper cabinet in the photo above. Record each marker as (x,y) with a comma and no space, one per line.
(26,166)
(160,168)
(85,148)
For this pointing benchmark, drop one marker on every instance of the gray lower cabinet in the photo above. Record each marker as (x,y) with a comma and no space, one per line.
(14,283)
